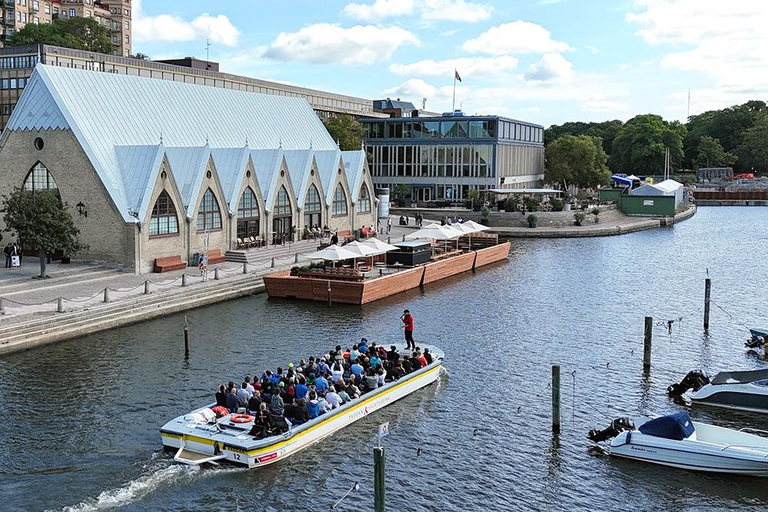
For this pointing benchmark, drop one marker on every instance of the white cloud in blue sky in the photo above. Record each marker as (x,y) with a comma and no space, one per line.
(547,61)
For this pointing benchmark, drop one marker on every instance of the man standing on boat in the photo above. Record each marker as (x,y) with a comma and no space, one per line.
(407,320)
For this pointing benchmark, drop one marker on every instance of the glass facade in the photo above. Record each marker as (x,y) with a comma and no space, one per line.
(433,161)
(283,206)
(164,220)
(453,128)
(248,214)
(208,215)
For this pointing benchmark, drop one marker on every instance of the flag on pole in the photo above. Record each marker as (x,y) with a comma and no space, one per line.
(457,76)
(384,429)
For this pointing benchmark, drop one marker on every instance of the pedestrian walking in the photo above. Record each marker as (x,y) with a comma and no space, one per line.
(389,224)
(7,252)
(15,255)
(407,320)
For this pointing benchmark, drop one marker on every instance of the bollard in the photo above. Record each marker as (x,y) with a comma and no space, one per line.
(2,307)
(60,305)
(183,280)
(403,238)
(106,294)
(648,340)
(186,338)
(556,398)
(296,259)
(707,290)
(273,262)
(216,274)
(379,479)
(146,287)
(245,267)
(389,240)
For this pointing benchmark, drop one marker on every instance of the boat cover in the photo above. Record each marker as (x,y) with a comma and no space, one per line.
(739,377)
(674,426)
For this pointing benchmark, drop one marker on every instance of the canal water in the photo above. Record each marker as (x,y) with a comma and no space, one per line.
(79,422)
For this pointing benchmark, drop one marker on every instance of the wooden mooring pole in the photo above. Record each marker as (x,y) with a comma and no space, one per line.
(647,342)
(186,338)
(707,291)
(379,479)
(556,398)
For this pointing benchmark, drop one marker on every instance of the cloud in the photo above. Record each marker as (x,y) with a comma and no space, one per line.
(551,67)
(172,28)
(323,43)
(592,49)
(725,40)
(429,10)
(468,68)
(514,38)
(413,88)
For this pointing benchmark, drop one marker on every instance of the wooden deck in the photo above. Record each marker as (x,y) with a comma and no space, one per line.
(283,284)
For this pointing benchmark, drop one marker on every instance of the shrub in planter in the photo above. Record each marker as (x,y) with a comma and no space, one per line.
(557,205)
(532,219)
(578,218)
(596,212)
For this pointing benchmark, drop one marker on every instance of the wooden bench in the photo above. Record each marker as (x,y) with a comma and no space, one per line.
(215,256)
(169,263)
(345,235)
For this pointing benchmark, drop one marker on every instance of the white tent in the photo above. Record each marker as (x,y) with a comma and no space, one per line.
(362,250)
(475,226)
(435,232)
(664,188)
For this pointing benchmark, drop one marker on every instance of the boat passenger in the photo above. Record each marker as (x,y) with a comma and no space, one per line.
(337,372)
(371,382)
(406,365)
(300,413)
(428,356)
(415,362)
(301,389)
(254,404)
(221,396)
(232,400)
(321,384)
(249,385)
(375,361)
(363,345)
(393,355)
(260,422)
(352,390)
(339,354)
(356,369)
(243,395)
(276,405)
(333,398)
(311,379)
(322,367)
(313,406)
(381,375)
(342,391)
(354,354)
(422,359)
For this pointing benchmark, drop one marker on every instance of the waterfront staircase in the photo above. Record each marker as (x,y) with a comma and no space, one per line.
(258,255)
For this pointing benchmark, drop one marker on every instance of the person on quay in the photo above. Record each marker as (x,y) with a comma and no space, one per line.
(389,224)
(7,252)
(407,320)
(335,238)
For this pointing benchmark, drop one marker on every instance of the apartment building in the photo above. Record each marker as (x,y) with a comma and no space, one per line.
(115,15)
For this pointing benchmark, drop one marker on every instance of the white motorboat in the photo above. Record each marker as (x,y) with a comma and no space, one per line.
(679,442)
(200,437)
(742,390)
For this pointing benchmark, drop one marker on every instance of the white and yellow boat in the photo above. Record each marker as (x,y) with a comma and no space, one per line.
(200,438)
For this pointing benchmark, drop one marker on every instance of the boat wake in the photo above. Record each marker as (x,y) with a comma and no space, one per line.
(157,475)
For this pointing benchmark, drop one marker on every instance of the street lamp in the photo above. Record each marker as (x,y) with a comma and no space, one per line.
(81,209)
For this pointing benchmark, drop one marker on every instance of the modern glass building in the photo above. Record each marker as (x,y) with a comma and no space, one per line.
(442,158)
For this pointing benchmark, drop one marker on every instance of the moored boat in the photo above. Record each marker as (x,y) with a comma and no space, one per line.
(199,437)
(758,332)
(677,441)
(742,390)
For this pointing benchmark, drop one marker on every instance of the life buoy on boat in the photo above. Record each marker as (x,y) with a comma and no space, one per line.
(241,418)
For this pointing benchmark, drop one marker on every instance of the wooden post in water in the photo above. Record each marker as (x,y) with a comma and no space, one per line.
(647,342)
(707,290)
(186,338)
(556,398)
(379,479)
(273,262)
(216,274)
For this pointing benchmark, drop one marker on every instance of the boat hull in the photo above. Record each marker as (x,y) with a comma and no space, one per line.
(758,333)
(243,450)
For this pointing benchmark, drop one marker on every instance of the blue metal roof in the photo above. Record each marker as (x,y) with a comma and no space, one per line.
(300,163)
(190,118)
(328,163)
(354,164)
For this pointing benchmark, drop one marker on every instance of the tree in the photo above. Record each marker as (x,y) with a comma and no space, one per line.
(711,154)
(346,131)
(140,56)
(79,33)
(401,191)
(41,222)
(753,152)
(579,161)
(639,147)
(607,131)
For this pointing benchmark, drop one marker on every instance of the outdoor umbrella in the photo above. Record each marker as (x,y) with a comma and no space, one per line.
(333,253)
(474,227)
(381,247)
(361,249)
(436,232)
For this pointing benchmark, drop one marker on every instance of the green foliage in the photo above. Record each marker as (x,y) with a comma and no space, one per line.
(557,204)
(41,222)
(640,145)
(140,56)
(511,203)
(401,191)
(595,211)
(711,154)
(485,212)
(532,220)
(473,195)
(79,33)
(578,160)
(753,151)
(606,130)
(346,130)
(531,203)
(579,217)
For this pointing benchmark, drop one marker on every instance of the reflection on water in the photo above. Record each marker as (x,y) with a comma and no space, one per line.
(81,418)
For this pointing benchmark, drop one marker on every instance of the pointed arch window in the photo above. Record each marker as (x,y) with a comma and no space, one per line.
(364,203)
(339,201)
(249,205)
(164,220)
(313,208)
(39,178)
(283,206)
(208,215)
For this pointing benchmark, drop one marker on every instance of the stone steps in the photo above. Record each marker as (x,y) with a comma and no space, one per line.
(17,284)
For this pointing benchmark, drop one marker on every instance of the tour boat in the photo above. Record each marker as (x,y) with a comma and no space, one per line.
(200,437)
(742,390)
(679,442)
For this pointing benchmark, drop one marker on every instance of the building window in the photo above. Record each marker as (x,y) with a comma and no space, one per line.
(313,208)
(339,201)
(248,215)
(164,220)
(72,13)
(126,25)
(364,203)
(39,178)
(47,9)
(208,215)
(283,206)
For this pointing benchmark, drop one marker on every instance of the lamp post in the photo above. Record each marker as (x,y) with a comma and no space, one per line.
(81,209)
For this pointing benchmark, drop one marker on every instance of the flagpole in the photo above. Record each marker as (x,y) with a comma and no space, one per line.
(453,108)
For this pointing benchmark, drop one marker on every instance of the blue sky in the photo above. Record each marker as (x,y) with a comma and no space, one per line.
(545,61)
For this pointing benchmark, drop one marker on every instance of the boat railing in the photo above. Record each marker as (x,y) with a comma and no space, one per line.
(749,430)
(746,446)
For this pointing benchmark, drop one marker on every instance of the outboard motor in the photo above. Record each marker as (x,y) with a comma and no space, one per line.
(695,380)
(617,426)
(756,342)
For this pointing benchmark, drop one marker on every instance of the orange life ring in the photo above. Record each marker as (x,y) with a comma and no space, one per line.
(241,418)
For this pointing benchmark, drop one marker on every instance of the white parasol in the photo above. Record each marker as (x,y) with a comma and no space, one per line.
(333,253)
(379,246)
(435,232)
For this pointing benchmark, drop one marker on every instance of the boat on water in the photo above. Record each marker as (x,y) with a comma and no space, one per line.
(677,441)
(201,437)
(758,332)
(742,390)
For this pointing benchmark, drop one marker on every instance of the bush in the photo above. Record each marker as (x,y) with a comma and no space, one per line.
(595,211)
(531,203)
(532,219)
(579,217)
(557,204)
(485,212)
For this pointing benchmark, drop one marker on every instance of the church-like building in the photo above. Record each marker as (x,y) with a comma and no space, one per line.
(154,168)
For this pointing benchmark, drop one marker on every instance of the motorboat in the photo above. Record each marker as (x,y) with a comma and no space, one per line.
(677,441)
(202,437)
(742,390)
(758,332)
